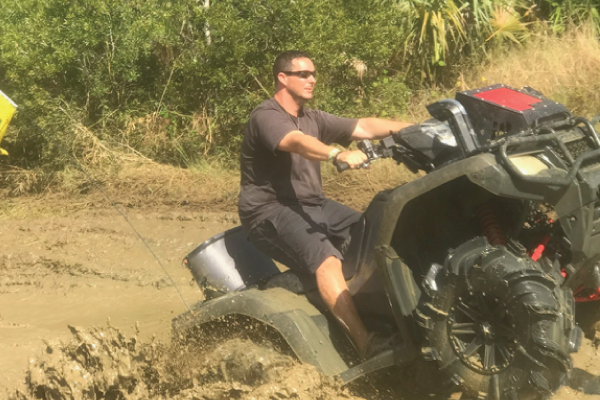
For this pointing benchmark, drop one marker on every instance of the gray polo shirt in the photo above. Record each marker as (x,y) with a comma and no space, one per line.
(271,178)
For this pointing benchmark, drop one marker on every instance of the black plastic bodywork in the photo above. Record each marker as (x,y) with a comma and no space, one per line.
(302,326)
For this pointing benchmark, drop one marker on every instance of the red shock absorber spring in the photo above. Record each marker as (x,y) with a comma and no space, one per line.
(539,250)
(490,225)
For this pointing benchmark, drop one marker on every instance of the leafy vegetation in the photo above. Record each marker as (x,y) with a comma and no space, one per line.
(565,13)
(174,81)
(145,74)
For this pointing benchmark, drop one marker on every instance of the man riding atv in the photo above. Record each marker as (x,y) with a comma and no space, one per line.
(282,206)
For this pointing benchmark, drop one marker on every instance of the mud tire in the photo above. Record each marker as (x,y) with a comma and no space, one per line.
(499,324)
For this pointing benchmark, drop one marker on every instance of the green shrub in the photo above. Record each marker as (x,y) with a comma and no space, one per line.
(176,81)
(91,59)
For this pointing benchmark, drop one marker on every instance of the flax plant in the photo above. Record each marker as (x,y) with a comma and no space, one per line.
(507,25)
(438,29)
(448,32)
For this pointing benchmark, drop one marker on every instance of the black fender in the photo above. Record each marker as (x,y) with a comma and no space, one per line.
(301,325)
(383,213)
(483,170)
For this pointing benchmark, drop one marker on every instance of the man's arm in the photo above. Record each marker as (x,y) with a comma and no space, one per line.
(376,128)
(313,149)
(307,146)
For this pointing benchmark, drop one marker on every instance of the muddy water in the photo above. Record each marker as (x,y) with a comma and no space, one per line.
(104,363)
(84,268)
(85,312)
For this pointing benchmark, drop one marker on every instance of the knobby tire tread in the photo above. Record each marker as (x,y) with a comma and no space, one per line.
(544,316)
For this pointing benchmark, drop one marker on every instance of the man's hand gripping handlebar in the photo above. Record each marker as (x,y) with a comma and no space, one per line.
(391,146)
(370,153)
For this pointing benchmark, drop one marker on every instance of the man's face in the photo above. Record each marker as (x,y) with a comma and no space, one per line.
(301,87)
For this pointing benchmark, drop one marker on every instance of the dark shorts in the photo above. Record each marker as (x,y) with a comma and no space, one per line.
(302,237)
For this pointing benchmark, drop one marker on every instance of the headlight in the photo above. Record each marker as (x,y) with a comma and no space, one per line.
(528,165)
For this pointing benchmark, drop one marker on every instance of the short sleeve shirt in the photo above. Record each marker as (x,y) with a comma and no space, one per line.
(270,177)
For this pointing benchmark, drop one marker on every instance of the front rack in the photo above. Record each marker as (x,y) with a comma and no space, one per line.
(543,135)
(556,181)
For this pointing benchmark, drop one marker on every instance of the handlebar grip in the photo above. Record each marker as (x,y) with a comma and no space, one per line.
(342,166)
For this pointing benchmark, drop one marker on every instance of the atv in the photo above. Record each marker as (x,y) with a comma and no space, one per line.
(475,267)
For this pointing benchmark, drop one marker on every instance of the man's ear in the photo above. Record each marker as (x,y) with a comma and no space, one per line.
(282,78)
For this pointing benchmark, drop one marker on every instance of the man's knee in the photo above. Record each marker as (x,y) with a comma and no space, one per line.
(331,266)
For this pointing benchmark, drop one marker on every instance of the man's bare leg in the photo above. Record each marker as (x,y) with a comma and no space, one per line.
(334,291)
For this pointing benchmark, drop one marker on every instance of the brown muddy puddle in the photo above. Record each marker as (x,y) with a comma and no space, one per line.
(62,277)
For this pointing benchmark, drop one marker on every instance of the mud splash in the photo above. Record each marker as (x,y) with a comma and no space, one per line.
(105,364)
(102,363)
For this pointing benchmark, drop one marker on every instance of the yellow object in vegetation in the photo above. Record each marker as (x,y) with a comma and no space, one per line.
(7,110)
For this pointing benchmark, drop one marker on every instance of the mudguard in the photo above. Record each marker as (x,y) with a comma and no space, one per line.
(300,324)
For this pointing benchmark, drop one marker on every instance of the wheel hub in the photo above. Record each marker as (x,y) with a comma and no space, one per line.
(487,331)
(481,333)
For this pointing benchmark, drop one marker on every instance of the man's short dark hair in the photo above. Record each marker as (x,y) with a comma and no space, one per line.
(283,62)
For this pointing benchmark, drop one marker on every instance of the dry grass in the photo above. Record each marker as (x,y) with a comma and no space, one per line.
(153,183)
(129,181)
(16,182)
(566,69)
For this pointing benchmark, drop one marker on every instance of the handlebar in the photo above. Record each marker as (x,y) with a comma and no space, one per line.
(384,149)
(390,148)
(366,147)
(342,166)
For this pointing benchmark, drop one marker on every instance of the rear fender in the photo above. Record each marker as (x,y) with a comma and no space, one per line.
(300,324)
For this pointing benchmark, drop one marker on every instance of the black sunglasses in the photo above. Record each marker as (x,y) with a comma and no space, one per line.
(301,74)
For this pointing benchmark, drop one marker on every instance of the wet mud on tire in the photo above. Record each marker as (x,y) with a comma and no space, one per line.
(499,326)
